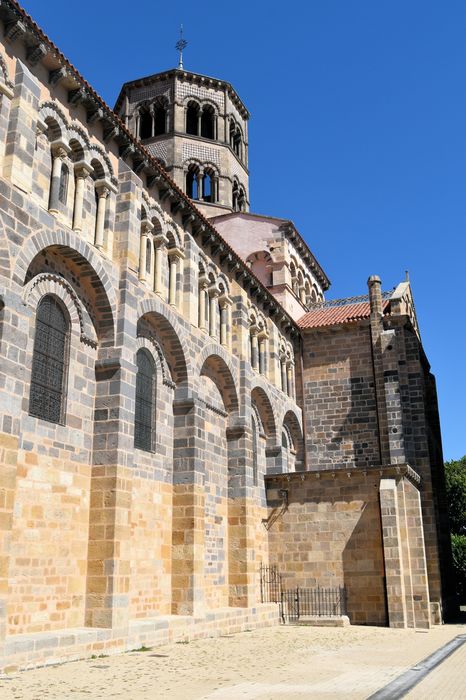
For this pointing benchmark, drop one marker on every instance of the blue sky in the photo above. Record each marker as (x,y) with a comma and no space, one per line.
(357,133)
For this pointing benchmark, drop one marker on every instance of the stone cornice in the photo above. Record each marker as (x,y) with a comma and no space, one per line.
(188,76)
(393,470)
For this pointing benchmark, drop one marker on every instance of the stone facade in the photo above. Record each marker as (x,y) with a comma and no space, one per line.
(136,505)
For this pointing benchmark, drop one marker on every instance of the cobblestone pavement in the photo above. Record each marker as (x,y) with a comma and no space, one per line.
(447,681)
(281,663)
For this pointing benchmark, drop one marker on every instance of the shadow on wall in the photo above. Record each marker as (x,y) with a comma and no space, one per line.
(363,569)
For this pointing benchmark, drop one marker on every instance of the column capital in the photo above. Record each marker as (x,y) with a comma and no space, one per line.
(160,240)
(175,253)
(146,226)
(59,149)
(224,301)
(82,169)
(102,191)
(104,183)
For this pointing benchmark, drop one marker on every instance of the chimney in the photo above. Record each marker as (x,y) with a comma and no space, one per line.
(375,296)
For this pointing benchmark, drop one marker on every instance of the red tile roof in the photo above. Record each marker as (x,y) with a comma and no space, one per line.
(334,315)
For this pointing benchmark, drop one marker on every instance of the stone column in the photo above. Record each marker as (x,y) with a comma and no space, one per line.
(199,123)
(289,379)
(142,254)
(283,375)
(81,172)
(174,261)
(202,305)
(152,114)
(213,313)
(262,355)
(224,322)
(254,349)
(59,152)
(160,242)
(102,193)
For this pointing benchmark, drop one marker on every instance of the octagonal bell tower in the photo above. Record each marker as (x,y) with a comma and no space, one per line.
(197,128)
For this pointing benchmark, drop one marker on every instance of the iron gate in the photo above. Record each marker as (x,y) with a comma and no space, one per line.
(297,603)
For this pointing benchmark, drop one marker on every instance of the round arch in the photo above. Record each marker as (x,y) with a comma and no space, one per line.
(79,258)
(261,399)
(215,363)
(159,324)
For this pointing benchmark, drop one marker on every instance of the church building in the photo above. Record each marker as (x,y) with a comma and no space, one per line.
(181,407)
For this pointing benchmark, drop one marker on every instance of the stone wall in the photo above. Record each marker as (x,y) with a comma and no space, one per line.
(358,529)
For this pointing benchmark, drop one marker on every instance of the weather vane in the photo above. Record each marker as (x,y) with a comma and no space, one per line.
(179,46)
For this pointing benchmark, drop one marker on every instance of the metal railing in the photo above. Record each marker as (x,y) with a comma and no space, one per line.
(297,603)
(271,584)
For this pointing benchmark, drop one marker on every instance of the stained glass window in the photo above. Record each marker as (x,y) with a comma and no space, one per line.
(144,419)
(49,361)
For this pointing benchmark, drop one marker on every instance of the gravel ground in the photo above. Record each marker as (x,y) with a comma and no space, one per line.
(280,663)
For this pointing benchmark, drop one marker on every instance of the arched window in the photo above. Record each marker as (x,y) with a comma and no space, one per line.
(192,119)
(237,142)
(160,120)
(192,182)
(63,186)
(144,415)
(241,200)
(234,197)
(50,361)
(207,187)
(207,122)
(145,125)
(255,447)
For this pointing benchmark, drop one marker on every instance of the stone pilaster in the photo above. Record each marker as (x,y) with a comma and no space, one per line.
(241,514)
(21,136)
(394,574)
(188,507)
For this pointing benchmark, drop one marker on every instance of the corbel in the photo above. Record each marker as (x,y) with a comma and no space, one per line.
(76,97)
(14,30)
(36,53)
(110,133)
(95,115)
(56,75)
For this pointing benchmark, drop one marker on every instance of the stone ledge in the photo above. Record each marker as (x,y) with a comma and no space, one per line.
(28,651)
(314,621)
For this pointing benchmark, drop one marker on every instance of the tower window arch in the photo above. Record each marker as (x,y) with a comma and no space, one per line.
(160,120)
(208,122)
(50,361)
(192,119)
(144,415)
(193,181)
(145,125)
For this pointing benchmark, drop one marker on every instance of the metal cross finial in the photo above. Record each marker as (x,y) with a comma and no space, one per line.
(179,46)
